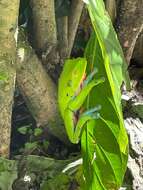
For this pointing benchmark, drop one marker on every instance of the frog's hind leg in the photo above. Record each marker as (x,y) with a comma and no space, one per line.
(77,101)
(92,110)
(90,114)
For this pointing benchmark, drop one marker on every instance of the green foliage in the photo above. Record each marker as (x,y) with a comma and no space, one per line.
(45,173)
(38,132)
(60,182)
(31,146)
(8,173)
(35,142)
(24,129)
(105,142)
(45,144)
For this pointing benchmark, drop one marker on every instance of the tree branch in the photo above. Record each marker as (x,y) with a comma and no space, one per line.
(39,91)
(74,17)
(62,27)
(44,22)
(129,25)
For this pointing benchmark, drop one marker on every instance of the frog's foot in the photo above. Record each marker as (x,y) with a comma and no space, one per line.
(86,116)
(92,113)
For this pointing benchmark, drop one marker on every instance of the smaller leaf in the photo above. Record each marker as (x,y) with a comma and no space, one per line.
(30,146)
(23,130)
(37,131)
(30,131)
(45,144)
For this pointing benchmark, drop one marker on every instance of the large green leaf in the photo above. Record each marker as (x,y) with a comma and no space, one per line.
(104,142)
(108,41)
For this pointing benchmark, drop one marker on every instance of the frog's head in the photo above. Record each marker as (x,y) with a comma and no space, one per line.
(74,70)
(71,77)
(78,73)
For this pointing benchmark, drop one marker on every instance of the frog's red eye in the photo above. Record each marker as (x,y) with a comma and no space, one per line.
(84,76)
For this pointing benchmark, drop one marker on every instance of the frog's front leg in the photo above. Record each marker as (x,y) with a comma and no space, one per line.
(74,127)
(77,101)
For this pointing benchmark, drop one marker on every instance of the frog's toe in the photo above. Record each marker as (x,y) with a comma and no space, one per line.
(96,116)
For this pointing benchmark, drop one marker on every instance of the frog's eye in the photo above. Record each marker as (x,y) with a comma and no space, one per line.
(75,74)
(69,83)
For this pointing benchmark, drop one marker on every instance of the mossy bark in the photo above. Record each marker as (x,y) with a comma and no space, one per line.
(8,23)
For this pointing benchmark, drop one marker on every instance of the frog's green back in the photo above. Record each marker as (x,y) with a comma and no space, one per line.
(69,82)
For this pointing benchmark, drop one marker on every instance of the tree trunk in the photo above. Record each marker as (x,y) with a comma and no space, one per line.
(8,16)
(129,25)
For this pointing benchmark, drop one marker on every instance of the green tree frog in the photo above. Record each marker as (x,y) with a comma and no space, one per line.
(74,88)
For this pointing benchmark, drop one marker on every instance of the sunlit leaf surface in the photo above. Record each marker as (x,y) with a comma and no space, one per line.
(105,142)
